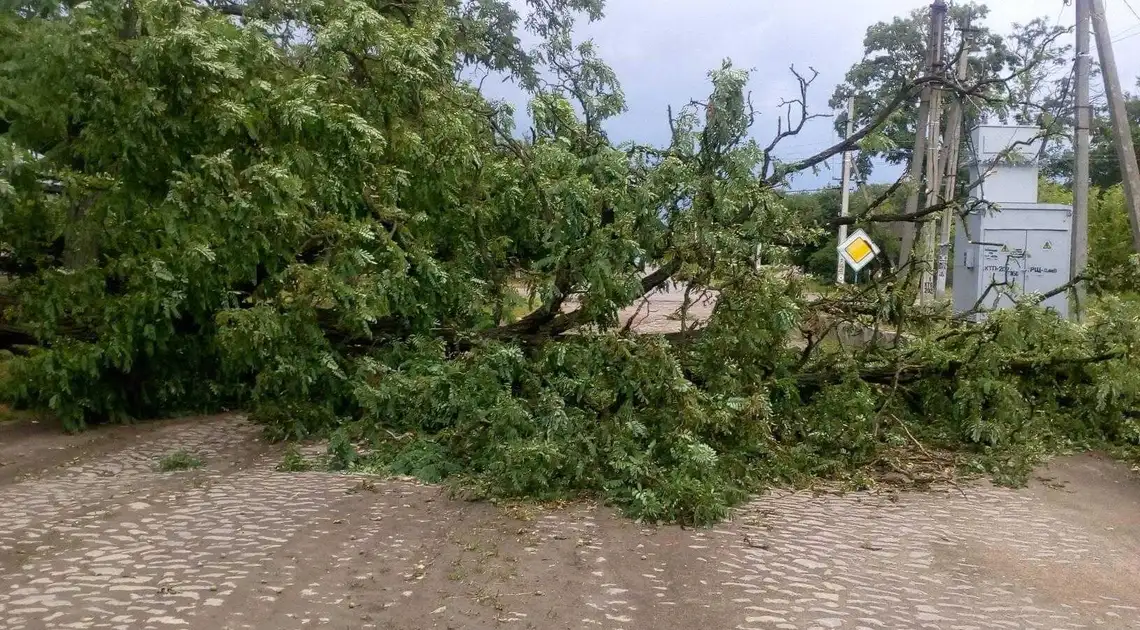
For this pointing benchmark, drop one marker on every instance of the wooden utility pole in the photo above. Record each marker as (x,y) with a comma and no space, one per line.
(841,270)
(950,169)
(1121,132)
(922,128)
(1079,251)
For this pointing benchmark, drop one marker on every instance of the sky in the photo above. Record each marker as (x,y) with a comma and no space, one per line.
(662,51)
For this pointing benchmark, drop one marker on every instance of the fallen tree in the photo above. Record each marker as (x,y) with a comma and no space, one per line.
(303,209)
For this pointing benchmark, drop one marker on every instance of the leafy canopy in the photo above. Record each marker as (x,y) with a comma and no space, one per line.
(1021,78)
(304,208)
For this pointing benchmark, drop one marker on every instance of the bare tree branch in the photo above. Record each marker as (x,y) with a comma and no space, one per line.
(792,128)
(908,91)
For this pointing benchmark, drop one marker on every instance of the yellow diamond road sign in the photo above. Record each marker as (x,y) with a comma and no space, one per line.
(858,250)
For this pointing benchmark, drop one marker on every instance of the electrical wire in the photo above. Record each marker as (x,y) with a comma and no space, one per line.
(1120,39)
(1129,5)
(1127,31)
(1132,30)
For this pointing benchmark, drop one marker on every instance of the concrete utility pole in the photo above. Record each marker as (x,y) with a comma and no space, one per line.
(953,145)
(933,172)
(841,270)
(933,188)
(1125,152)
(1079,252)
(922,128)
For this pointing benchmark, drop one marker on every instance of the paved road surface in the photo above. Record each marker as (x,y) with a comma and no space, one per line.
(92,537)
(661,313)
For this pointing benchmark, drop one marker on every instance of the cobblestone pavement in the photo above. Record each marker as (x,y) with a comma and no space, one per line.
(91,536)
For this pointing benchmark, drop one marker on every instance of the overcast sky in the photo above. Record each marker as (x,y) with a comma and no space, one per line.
(662,51)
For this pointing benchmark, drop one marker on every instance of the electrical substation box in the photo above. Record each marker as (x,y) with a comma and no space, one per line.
(1011,245)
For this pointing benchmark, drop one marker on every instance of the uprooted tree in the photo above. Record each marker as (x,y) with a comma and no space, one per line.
(304,209)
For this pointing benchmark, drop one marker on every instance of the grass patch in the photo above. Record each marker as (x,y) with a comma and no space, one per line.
(294,461)
(180,460)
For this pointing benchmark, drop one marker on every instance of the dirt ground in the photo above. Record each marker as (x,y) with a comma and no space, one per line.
(92,536)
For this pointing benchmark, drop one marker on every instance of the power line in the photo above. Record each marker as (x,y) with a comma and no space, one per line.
(1129,5)
(1131,31)
(1127,31)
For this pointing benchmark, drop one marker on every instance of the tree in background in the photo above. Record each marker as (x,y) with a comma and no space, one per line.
(1019,77)
(1104,165)
(1111,256)
(820,256)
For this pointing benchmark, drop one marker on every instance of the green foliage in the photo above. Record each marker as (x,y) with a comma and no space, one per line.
(179,460)
(1051,192)
(1104,165)
(293,460)
(424,459)
(819,256)
(313,215)
(1035,56)
(601,413)
(685,432)
(1110,240)
(342,453)
(1111,256)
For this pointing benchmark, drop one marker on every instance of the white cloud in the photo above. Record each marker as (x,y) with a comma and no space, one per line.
(663,49)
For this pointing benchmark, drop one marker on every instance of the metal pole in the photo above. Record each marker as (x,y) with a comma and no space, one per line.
(841,269)
(1125,152)
(953,142)
(1079,252)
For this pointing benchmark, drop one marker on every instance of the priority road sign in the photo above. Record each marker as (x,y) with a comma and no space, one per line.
(858,250)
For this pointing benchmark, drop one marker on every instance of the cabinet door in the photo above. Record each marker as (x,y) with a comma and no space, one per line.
(1003,267)
(1047,265)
